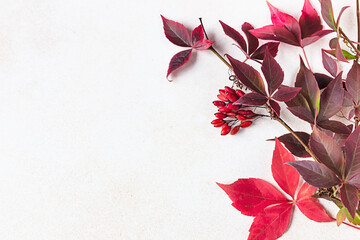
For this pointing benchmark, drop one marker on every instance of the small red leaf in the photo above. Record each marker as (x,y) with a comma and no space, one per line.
(285,176)
(310,206)
(197,35)
(275,107)
(259,54)
(235,35)
(277,33)
(253,42)
(176,33)
(271,224)
(329,64)
(252,99)
(309,21)
(350,198)
(178,60)
(272,71)
(203,44)
(285,93)
(251,196)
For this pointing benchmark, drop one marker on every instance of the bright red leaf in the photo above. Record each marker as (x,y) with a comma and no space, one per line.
(309,21)
(197,35)
(235,35)
(203,44)
(176,33)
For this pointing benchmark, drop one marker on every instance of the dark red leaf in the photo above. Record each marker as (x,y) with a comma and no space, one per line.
(235,35)
(203,44)
(334,126)
(316,36)
(328,13)
(251,196)
(331,99)
(353,82)
(178,60)
(293,145)
(302,113)
(327,151)
(271,224)
(259,54)
(309,21)
(355,181)
(176,33)
(284,93)
(253,42)
(334,44)
(316,174)
(285,176)
(247,75)
(348,100)
(283,19)
(352,153)
(350,198)
(277,33)
(310,206)
(275,107)
(272,71)
(322,80)
(197,34)
(252,99)
(309,89)
(329,64)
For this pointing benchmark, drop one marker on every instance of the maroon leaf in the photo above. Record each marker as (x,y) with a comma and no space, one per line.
(275,107)
(327,151)
(353,82)
(251,196)
(283,19)
(310,206)
(316,174)
(328,13)
(285,176)
(309,88)
(247,75)
(252,99)
(284,93)
(272,71)
(352,153)
(309,21)
(272,223)
(355,181)
(331,99)
(235,35)
(197,34)
(329,64)
(176,33)
(302,113)
(322,80)
(334,126)
(334,44)
(178,60)
(350,198)
(316,36)
(259,54)
(277,33)
(203,44)
(253,42)
(293,145)
(348,101)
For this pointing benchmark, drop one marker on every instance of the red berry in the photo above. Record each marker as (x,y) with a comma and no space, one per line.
(241,117)
(240,93)
(224,110)
(233,106)
(231,114)
(235,130)
(245,124)
(219,103)
(230,90)
(222,92)
(225,129)
(219,124)
(222,97)
(220,115)
(232,97)
(216,121)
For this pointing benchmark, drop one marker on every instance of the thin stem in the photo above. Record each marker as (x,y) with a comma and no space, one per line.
(306,59)
(349,41)
(358,25)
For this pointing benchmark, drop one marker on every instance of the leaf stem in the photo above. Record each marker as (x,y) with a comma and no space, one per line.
(306,59)
(349,41)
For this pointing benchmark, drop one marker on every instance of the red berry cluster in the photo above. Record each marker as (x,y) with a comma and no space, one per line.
(230,116)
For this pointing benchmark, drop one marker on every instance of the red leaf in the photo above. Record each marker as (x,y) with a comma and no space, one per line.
(272,223)
(247,75)
(285,176)
(355,181)
(275,107)
(272,71)
(353,82)
(334,126)
(176,33)
(350,198)
(253,42)
(235,35)
(314,37)
(252,99)
(178,60)
(328,13)
(260,52)
(310,22)
(284,93)
(302,113)
(283,19)
(322,80)
(203,44)
(251,196)
(352,153)
(334,44)
(293,145)
(277,33)
(310,206)
(329,64)
(197,34)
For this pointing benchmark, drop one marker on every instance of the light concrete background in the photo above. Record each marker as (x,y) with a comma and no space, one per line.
(95,143)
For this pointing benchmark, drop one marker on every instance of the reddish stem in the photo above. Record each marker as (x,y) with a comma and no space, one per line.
(348,224)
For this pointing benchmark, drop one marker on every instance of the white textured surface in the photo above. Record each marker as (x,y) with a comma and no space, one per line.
(96,144)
